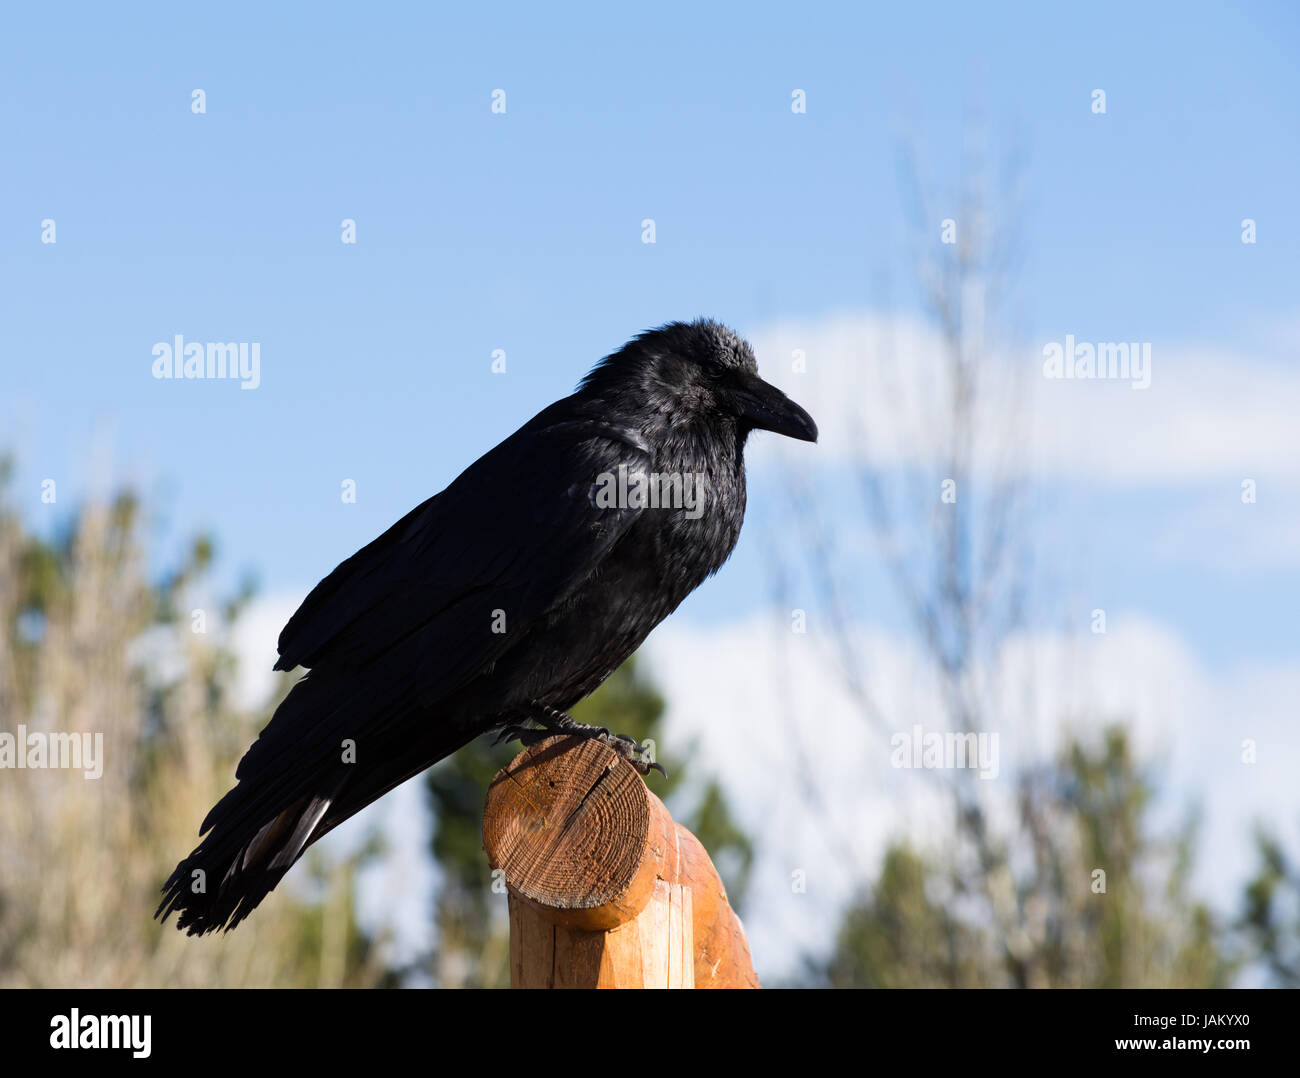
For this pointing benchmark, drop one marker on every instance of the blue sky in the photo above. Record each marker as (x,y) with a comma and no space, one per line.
(522,232)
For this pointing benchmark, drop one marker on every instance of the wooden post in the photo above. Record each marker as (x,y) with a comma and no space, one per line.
(606,891)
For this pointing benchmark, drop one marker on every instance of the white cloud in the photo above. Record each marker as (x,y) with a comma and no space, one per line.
(752,695)
(877,386)
(807,778)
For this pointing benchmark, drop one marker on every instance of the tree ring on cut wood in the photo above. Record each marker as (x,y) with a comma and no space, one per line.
(580,839)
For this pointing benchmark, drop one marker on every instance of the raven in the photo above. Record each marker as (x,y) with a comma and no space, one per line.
(501,601)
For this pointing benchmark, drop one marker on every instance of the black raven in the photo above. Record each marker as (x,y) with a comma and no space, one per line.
(502,601)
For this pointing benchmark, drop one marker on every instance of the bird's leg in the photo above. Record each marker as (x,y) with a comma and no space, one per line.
(557,722)
(549,722)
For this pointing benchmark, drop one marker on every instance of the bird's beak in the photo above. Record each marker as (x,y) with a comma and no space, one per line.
(764,407)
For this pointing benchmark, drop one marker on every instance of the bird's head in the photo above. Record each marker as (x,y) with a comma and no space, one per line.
(686,373)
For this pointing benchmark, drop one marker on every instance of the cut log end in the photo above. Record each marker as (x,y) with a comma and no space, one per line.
(606,890)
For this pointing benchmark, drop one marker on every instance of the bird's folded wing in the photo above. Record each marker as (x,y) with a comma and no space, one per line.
(452,582)
(446,591)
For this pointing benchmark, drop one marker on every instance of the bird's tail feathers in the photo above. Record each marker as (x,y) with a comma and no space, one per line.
(229,873)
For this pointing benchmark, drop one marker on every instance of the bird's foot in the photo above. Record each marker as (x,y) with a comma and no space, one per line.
(557,722)
(633,752)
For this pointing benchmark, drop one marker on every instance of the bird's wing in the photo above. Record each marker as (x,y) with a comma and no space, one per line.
(516,533)
(447,590)
(393,630)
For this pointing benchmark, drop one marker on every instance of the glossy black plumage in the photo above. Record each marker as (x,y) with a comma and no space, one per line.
(407,661)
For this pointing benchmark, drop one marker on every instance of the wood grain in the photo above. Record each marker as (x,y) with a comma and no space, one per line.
(606,890)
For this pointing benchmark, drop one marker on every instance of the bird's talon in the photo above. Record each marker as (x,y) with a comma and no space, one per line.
(558,722)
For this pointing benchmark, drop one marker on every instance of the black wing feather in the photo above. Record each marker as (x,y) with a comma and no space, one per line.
(417,605)
(398,627)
